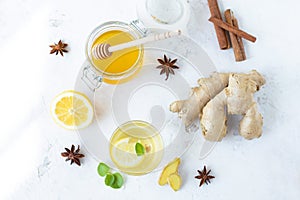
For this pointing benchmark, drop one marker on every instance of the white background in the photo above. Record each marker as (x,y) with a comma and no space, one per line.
(30,143)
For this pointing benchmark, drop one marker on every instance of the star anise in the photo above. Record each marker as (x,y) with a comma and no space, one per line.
(204,176)
(167,65)
(73,155)
(58,48)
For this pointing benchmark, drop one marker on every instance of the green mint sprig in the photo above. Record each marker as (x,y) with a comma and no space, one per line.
(115,180)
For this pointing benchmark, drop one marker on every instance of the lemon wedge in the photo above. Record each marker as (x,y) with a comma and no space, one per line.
(72,110)
(124,155)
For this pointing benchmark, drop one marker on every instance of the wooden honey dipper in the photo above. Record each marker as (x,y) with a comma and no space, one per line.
(104,50)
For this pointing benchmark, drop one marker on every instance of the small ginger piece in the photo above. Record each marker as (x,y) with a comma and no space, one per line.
(190,109)
(171,168)
(174,181)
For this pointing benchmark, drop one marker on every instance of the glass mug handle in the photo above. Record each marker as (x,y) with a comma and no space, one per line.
(90,77)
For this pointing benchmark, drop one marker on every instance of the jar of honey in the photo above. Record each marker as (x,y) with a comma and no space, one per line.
(122,65)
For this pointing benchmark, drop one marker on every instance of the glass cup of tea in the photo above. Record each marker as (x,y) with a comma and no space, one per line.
(123,147)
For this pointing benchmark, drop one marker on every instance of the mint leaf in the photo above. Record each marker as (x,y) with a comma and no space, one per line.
(139,149)
(115,180)
(118,182)
(103,169)
(109,179)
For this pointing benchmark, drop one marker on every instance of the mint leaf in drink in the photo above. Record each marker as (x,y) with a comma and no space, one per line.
(109,179)
(139,149)
(103,169)
(118,182)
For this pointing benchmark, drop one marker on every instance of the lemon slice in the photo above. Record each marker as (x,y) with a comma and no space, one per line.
(72,110)
(123,154)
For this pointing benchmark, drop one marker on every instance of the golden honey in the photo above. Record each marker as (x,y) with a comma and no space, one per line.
(120,62)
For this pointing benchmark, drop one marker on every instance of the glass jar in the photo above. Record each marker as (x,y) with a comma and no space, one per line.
(166,11)
(122,65)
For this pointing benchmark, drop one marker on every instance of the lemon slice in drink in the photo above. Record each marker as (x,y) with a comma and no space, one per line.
(72,110)
(123,154)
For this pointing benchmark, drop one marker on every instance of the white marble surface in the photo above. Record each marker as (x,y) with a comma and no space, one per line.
(30,143)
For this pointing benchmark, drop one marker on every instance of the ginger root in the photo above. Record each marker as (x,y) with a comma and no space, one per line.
(188,110)
(221,92)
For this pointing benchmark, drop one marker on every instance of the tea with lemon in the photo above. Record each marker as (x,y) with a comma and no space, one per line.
(122,148)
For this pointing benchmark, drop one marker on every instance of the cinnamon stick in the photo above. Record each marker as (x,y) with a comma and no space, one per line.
(230,28)
(221,34)
(236,41)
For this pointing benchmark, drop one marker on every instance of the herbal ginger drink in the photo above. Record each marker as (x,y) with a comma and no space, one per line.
(123,148)
(120,62)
